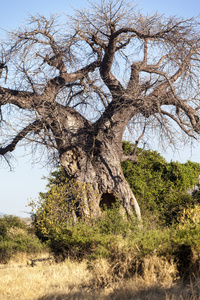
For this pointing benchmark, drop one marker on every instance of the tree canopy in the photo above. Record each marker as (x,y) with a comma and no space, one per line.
(163,189)
(76,85)
(77,66)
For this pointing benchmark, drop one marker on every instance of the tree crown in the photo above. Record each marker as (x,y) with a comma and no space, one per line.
(104,69)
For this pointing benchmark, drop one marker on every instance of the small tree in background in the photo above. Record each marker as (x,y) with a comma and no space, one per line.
(17,237)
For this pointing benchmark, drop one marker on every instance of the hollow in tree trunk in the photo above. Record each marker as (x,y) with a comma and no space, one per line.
(97,163)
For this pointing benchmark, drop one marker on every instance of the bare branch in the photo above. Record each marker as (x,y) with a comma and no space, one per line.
(181,125)
(74,64)
(36,125)
(133,156)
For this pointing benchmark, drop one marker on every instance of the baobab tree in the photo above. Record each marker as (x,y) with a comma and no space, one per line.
(76,86)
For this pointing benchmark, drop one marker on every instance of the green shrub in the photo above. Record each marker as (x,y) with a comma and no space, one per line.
(80,239)
(190,217)
(7,222)
(113,222)
(3,230)
(15,238)
(6,251)
(123,243)
(12,221)
(161,188)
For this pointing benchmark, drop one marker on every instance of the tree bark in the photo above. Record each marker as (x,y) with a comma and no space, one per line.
(97,163)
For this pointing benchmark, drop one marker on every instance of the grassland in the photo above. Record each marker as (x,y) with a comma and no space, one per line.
(48,280)
(111,259)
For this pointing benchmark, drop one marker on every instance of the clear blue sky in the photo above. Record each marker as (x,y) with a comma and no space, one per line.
(25,181)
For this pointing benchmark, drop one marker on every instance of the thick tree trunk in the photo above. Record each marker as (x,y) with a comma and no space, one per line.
(96,161)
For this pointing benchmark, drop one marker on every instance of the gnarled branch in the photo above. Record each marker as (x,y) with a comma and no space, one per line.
(35,126)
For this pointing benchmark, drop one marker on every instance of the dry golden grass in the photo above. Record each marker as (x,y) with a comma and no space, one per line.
(72,280)
(28,282)
(22,259)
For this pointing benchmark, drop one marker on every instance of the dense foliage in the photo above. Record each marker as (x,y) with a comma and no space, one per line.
(15,237)
(171,225)
(124,244)
(162,188)
(170,230)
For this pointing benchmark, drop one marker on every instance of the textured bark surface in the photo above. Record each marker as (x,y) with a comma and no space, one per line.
(97,162)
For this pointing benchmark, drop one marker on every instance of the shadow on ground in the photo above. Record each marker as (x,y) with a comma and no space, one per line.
(179,292)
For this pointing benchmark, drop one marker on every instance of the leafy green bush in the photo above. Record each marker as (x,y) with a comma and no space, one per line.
(123,243)
(161,188)
(15,237)
(12,221)
(113,222)
(7,222)
(66,238)
(162,192)
(3,230)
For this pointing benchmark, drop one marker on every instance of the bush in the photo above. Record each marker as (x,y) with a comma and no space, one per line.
(190,217)
(80,239)
(113,222)
(3,230)
(161,188)
(12,221)
(15,237)
(125,245)
(7,222)
(162,192)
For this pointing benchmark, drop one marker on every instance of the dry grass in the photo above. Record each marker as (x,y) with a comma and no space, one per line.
(21,259)
(28,282)
(73,280)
